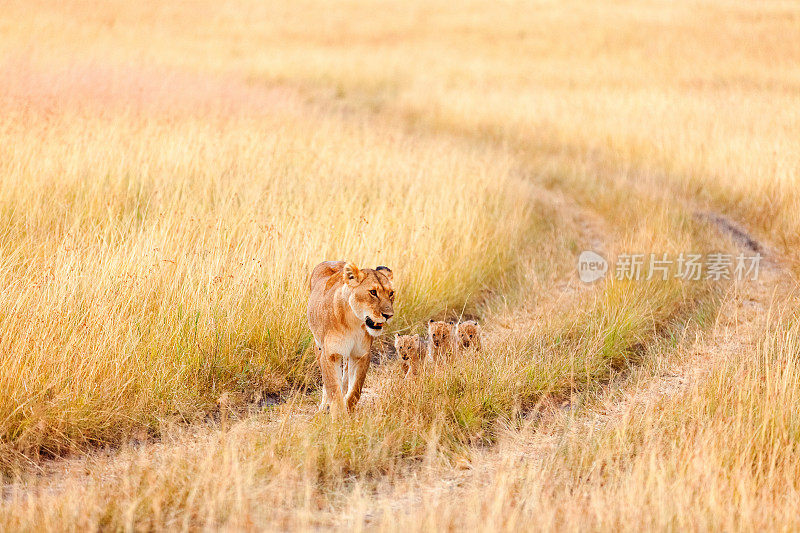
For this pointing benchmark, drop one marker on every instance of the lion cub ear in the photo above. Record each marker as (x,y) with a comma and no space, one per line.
(352,275)
(386,271)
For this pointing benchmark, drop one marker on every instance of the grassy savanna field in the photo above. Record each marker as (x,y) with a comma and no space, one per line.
(170,173)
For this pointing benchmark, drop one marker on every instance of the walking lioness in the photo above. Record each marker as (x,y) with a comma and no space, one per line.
(348,307)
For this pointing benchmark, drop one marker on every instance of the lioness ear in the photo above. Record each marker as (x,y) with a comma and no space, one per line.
(396,338)
(385,271)
(352,275)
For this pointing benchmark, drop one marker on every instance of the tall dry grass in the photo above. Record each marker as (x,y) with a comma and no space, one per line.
(170,173)
(166,264)
(158,232)
(289,469)
(721,454)
(222,478)
(700,95)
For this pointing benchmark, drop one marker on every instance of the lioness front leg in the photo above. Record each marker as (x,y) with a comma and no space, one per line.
(323,404)
(331,367)
(345,374)
(357,370)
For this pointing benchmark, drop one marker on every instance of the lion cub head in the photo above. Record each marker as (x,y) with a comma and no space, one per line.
(371,296)
(468,335)
(440,338)
(410,351)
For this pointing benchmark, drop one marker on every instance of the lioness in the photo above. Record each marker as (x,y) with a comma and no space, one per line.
(347,308)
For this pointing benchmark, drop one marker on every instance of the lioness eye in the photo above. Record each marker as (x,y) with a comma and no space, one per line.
(373,292)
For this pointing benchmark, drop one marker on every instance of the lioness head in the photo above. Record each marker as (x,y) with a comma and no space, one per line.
(468,334)
(440,334)
(371,295)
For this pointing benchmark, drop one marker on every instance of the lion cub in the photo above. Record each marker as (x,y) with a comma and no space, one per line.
(441,339)
(468,335)
(410,350)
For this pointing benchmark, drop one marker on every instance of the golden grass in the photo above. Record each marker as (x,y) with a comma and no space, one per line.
(171,172)
(156,256)
(701,96)
(720,455)
(287,468)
